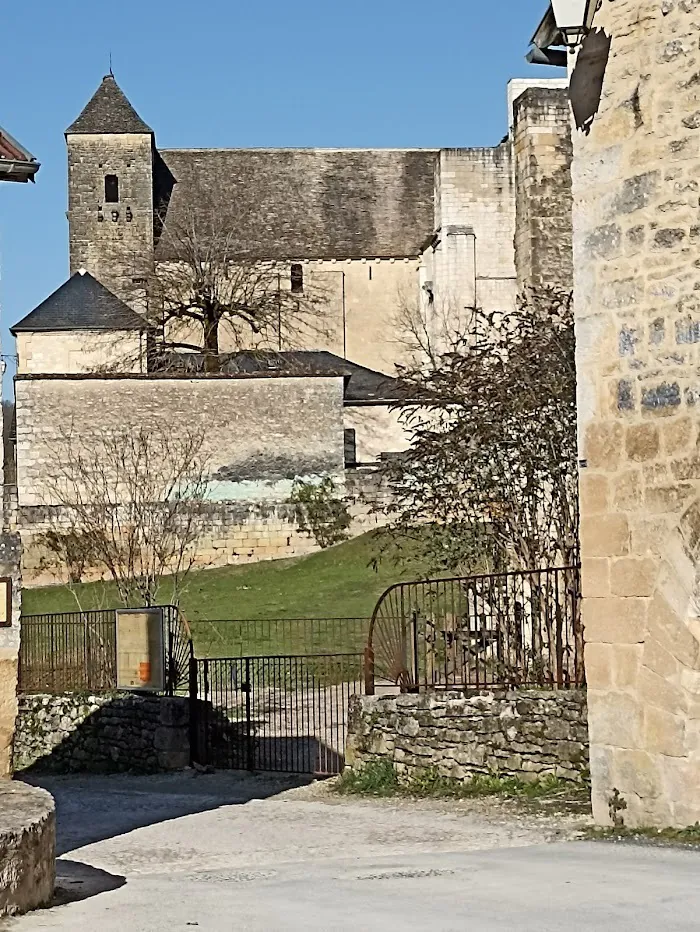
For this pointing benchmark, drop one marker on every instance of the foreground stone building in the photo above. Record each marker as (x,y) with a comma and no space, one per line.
(16,165)
(376,232)
(636,106)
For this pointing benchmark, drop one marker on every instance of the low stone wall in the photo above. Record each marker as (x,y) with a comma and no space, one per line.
(27,847)
(525,734)
(120,732)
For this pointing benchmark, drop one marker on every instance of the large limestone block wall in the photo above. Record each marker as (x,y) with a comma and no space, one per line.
(472,259)
(542,165)
(258,433)
(77,351)
(636,173)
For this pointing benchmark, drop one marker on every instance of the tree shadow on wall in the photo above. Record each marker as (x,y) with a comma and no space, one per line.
(586,85)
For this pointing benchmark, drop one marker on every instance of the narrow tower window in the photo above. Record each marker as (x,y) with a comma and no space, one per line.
(111,189)
(297,278)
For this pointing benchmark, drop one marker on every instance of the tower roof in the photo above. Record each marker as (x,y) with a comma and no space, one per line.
(81,303)
(108,111)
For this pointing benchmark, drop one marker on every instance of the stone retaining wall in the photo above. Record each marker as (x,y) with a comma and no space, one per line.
(27,847)
(525,734)
(102,733)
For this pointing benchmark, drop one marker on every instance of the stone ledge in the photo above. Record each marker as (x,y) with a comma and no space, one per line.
(27,847)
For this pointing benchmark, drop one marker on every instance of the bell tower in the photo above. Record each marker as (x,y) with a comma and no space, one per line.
(110,194)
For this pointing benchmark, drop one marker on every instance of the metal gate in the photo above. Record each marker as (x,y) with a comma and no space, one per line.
(278,713)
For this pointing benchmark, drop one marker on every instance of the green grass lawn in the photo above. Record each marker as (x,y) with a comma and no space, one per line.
(334,583)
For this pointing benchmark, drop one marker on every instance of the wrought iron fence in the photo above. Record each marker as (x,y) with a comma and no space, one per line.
(274,712)
(278,636)
(499,630)
(77,651)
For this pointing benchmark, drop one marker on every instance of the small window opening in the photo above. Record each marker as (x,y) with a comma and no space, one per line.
(350,444)
(297,278)
(370,273)
(111,189)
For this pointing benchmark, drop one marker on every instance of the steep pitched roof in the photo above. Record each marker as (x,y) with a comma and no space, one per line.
(81,303)
(108,111)
(305,203)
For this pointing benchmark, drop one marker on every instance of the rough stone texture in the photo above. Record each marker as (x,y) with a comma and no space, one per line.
(635,174)
(114,242)
(121,732)
(527,734)
(27,847)
(542,163)
(10,553)
(259,433)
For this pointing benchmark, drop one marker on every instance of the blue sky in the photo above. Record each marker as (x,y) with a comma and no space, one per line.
(312,73)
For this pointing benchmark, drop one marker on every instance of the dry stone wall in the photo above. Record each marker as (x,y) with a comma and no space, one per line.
(122,732)
(636,101)
(524,734)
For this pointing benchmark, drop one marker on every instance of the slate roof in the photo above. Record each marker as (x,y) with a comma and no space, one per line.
(108,111)
(81,303)
(362,385)
(306,203)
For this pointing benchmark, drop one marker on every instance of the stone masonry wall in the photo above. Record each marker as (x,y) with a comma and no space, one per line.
(636,175)
(27,847)
(10,557)
(114,242)
(258,433)
(122,732)
(475,222)
(524,734)
(542,152)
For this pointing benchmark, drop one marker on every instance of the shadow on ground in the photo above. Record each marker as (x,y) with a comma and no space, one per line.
(93,808)
(77,881)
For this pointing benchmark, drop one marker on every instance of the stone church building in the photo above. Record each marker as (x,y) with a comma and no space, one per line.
(375,231)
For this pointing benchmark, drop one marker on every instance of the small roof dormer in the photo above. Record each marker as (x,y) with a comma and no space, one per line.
(108,111)
(81,303)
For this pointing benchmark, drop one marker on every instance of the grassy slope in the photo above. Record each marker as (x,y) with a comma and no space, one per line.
(337,582)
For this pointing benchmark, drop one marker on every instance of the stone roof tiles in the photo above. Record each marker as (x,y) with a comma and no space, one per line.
(81,303)
(306,203)
(109,111)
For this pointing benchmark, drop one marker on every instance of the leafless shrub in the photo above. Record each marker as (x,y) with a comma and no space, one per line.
(133,507)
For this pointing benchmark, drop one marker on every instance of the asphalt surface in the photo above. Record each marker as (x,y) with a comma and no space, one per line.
(219,852)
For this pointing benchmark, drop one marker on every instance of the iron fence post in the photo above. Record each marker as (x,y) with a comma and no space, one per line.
(194,708)
(369,671)
(250,763)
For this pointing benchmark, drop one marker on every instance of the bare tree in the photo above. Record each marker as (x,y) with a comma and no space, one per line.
(209,284)
(491,472)
(133,507)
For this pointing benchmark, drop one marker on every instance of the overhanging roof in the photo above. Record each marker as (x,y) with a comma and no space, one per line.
(16,162)
(547,33)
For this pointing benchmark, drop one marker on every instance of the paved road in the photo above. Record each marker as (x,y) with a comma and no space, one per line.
(217,853)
